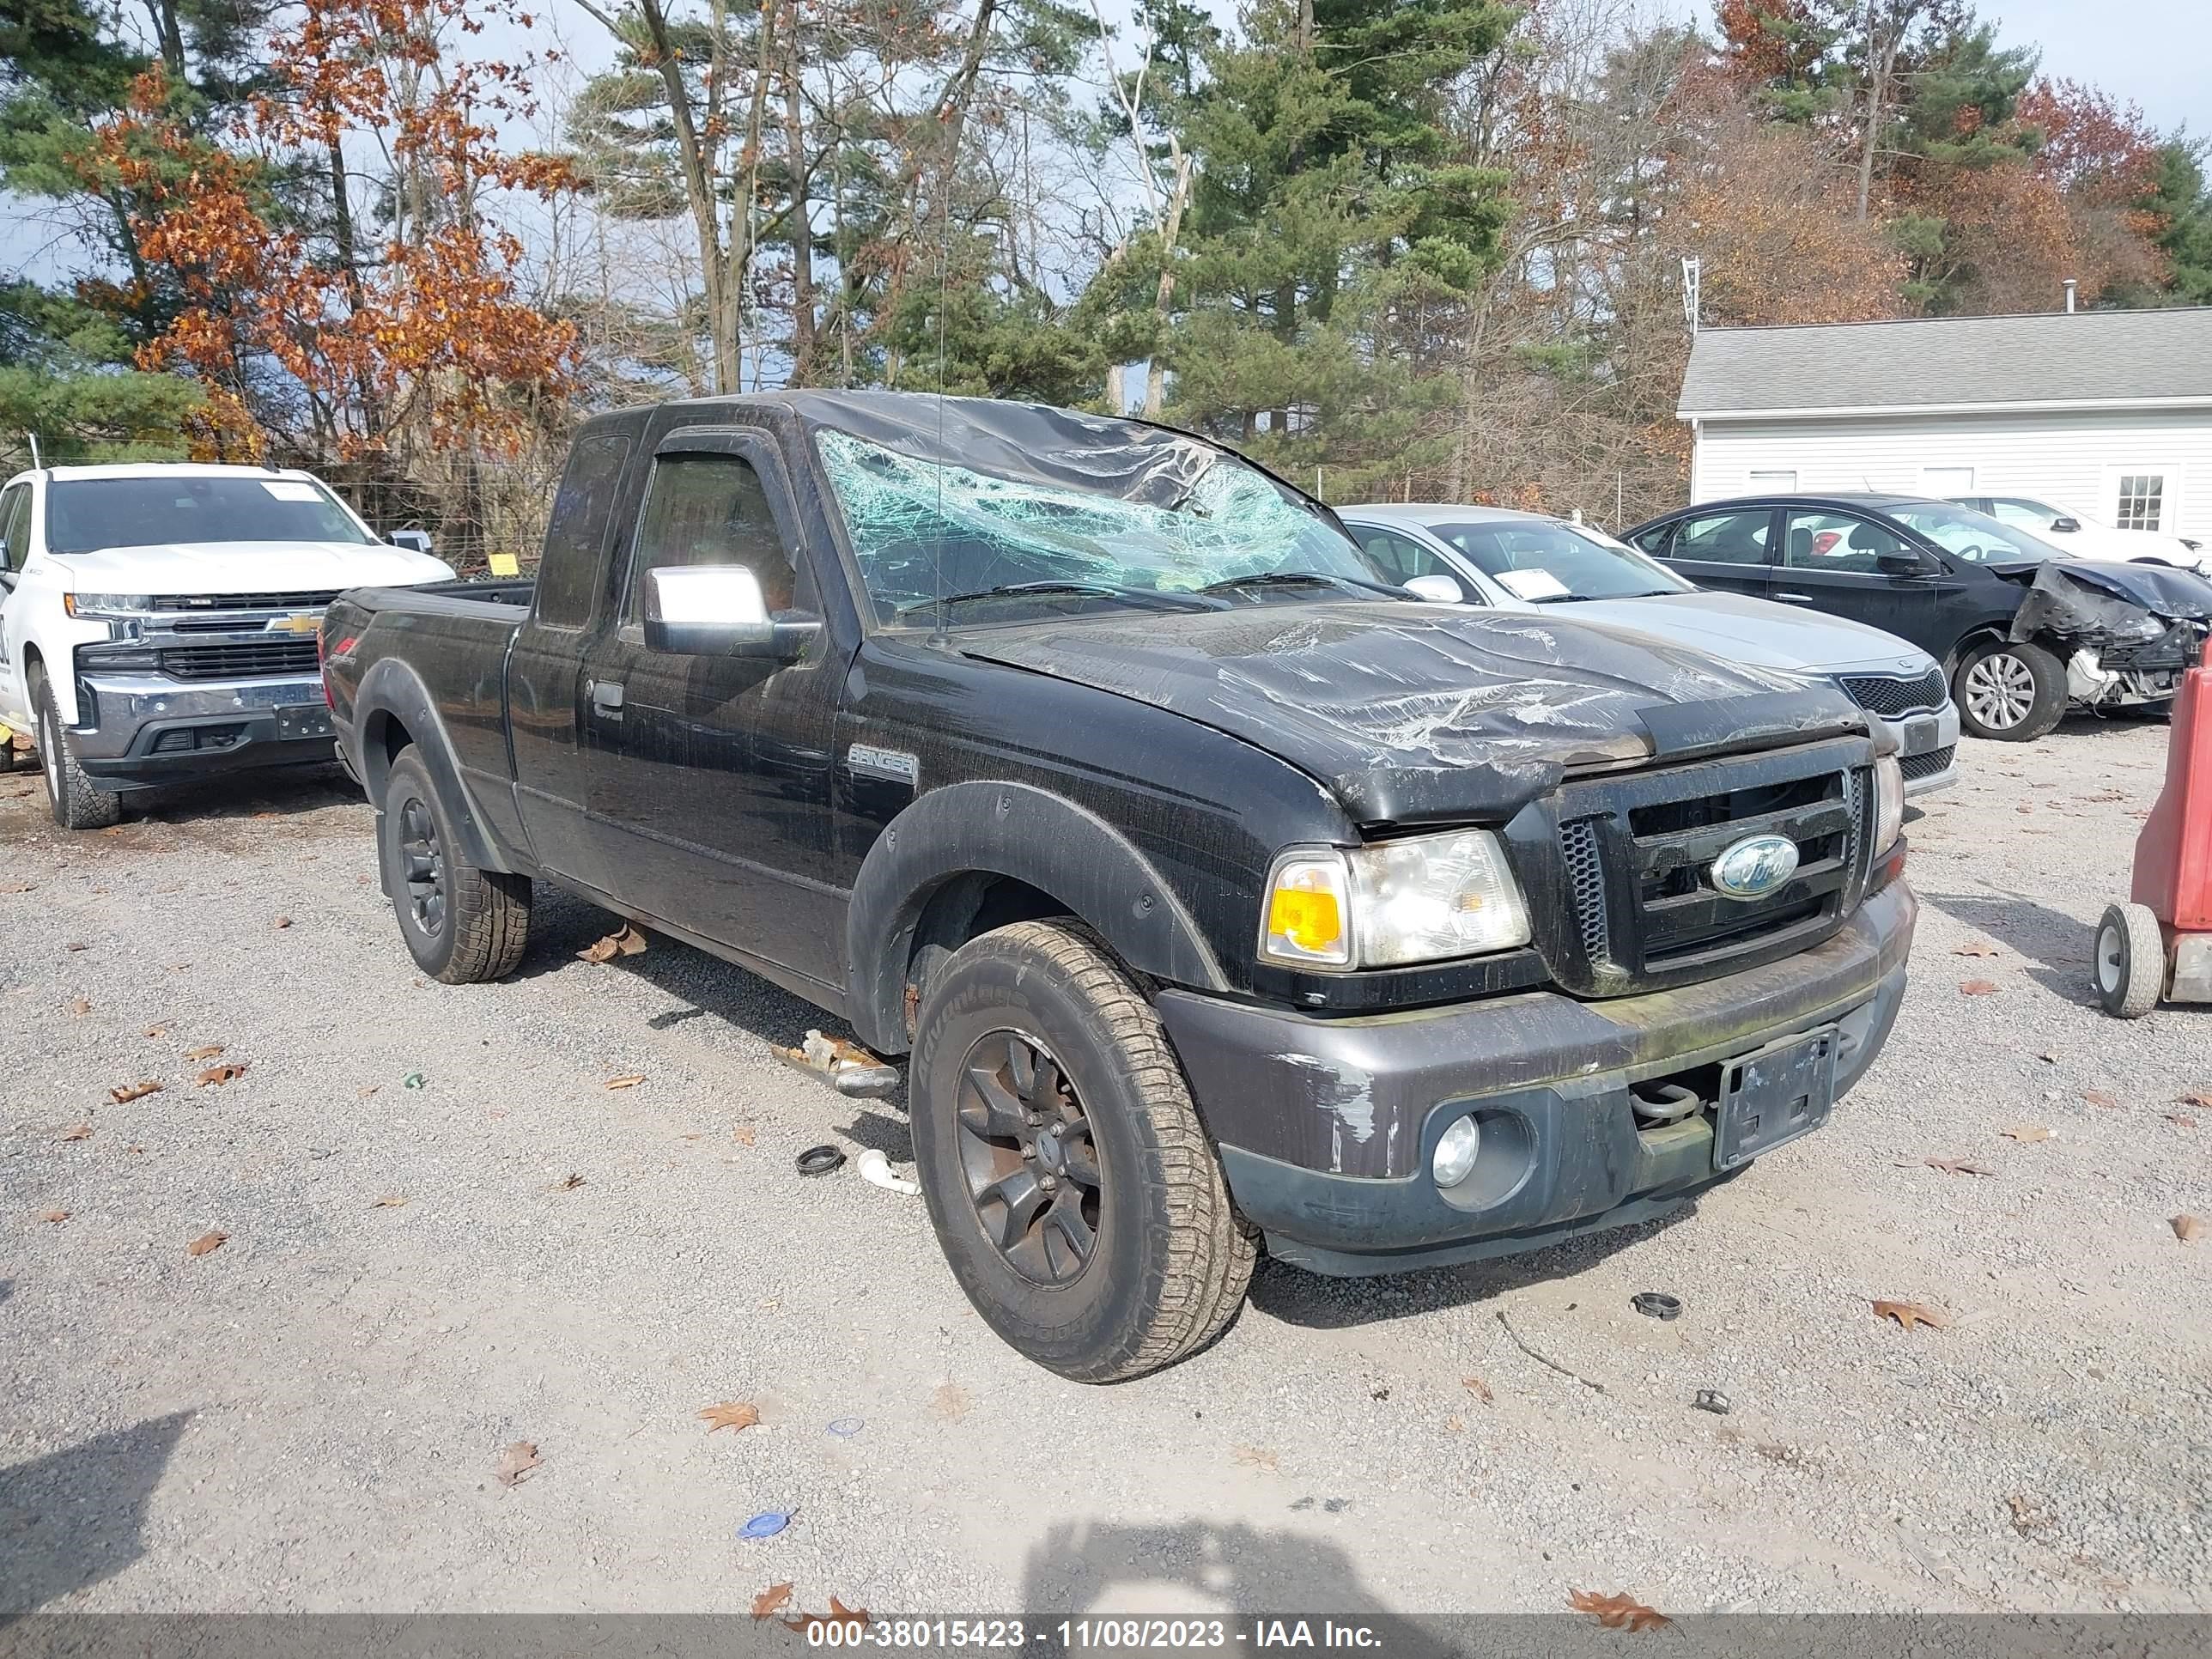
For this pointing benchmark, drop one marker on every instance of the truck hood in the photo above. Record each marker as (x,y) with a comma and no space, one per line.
(189,568)
(1759,632)
(1414,713)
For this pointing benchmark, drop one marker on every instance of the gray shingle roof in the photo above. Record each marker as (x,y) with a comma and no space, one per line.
(2050,358)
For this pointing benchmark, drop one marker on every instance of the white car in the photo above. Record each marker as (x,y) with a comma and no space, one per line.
(1519,561)
(161,620)
(2076,532)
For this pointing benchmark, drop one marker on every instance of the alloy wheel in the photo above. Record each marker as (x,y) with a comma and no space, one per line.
(2000,691)
(423,866)
(1031,1165)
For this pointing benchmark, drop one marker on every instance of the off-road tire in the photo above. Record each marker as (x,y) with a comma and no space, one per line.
(2036,678)
(78,802)
(483,924)
(2128,968)
(1171,1259)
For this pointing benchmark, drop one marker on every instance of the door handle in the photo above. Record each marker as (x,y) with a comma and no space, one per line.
(606,696)
(1795,599)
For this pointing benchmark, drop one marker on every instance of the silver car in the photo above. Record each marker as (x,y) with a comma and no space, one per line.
(1518,561)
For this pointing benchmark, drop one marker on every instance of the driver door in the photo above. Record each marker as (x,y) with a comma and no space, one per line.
(14,547)
(1831,561)
(714,773)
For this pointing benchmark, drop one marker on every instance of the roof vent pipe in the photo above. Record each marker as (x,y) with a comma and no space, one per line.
(2070,296)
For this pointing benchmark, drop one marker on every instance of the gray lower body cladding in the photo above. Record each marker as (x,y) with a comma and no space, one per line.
(1327,1128)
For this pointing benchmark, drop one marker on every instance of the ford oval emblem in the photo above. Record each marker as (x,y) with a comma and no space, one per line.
(1755,867)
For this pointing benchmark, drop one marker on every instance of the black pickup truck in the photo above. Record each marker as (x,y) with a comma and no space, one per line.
(1219,893)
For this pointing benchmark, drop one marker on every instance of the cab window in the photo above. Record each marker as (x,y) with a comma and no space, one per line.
(707,508)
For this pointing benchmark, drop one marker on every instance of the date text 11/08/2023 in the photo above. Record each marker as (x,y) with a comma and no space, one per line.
(1063,1634)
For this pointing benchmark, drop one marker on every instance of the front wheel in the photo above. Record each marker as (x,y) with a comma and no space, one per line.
(2009,692)
(1071,1183)
(463,924)
(77,802)
(2130,970)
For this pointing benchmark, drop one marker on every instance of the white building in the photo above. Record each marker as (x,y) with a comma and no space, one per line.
(2109,412)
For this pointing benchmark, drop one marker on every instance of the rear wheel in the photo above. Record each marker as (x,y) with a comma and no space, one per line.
(462,923)
(2009,692)
(2129,969)
(1071,1186)
(77,802)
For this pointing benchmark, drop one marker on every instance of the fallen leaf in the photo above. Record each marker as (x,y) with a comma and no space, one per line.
(77,1132)
(372,1089)
(126,1093)
(1957,1166)
(2027,1518)
(1908,1314)
(2027,1133)
(205,1051)
(569,1185)
(1479,1389)
(389,1201)
(839,1613)
(1976,987)
(17,887)
(627,942)
(730,1414)
(2196,1097)
(206,1243)
(1453,1426)
(157,1031)
(82,1006)
(2187,1228)
(77,945)
(228,1072)
(2099,1098)
(2049,1058)
(771,1601)
(516,1462)
(2180,1120)
(1976,947)
(53,1215)
(743,1134)
(283,921)
(1259,1457)
(630,1080)
(949,1401)
(1617,1612)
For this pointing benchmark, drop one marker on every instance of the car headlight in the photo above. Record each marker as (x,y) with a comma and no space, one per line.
(106,605)
(1889,804)
(1427,898)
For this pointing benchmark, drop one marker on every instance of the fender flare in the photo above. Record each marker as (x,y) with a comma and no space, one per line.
(1033,837)
(391,689)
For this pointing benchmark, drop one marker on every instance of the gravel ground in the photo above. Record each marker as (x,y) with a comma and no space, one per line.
(311,1416)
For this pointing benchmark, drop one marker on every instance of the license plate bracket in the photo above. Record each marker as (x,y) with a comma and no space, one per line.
(304,719)
(1773,1095)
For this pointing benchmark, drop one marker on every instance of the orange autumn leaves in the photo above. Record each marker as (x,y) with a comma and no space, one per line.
(423,331)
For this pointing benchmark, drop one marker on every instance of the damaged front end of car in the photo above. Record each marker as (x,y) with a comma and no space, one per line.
(2124,632)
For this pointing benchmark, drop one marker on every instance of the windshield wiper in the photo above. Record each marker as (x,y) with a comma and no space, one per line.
(1150,598)
(1300,579)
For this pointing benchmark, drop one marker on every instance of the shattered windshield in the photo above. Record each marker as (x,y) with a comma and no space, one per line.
(1215,530)
(1972,534)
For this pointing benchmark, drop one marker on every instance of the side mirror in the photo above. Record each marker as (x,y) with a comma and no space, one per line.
(1436,590)
(1906,563)
(415,541)
(2065,525)
(717,611)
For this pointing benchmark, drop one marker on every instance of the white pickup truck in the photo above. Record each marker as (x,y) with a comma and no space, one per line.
(158,620)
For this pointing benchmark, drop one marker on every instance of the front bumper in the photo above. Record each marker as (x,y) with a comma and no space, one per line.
(1927,748)
(137,730)
(1327,1128)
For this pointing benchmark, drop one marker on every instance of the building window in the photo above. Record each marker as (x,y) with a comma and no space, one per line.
(1778,482)
(2141,502)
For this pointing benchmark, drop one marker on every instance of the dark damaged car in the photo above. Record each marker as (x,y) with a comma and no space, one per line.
(1223,896)
(2023,629)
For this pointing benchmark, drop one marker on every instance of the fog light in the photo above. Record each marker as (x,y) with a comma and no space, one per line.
(1456,1150)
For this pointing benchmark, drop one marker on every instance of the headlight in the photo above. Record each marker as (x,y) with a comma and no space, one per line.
(1428,898)
(106,605)
(1889,804)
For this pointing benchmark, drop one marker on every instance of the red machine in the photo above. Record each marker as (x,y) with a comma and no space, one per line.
(2160,944)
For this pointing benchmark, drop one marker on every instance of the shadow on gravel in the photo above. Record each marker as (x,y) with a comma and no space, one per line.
(1298,1297)
(280,792)
(2051,938)
(6,1289)
(72,1519)
(1195,1567)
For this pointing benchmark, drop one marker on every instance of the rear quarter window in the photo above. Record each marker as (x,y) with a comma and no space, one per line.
(576,533)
